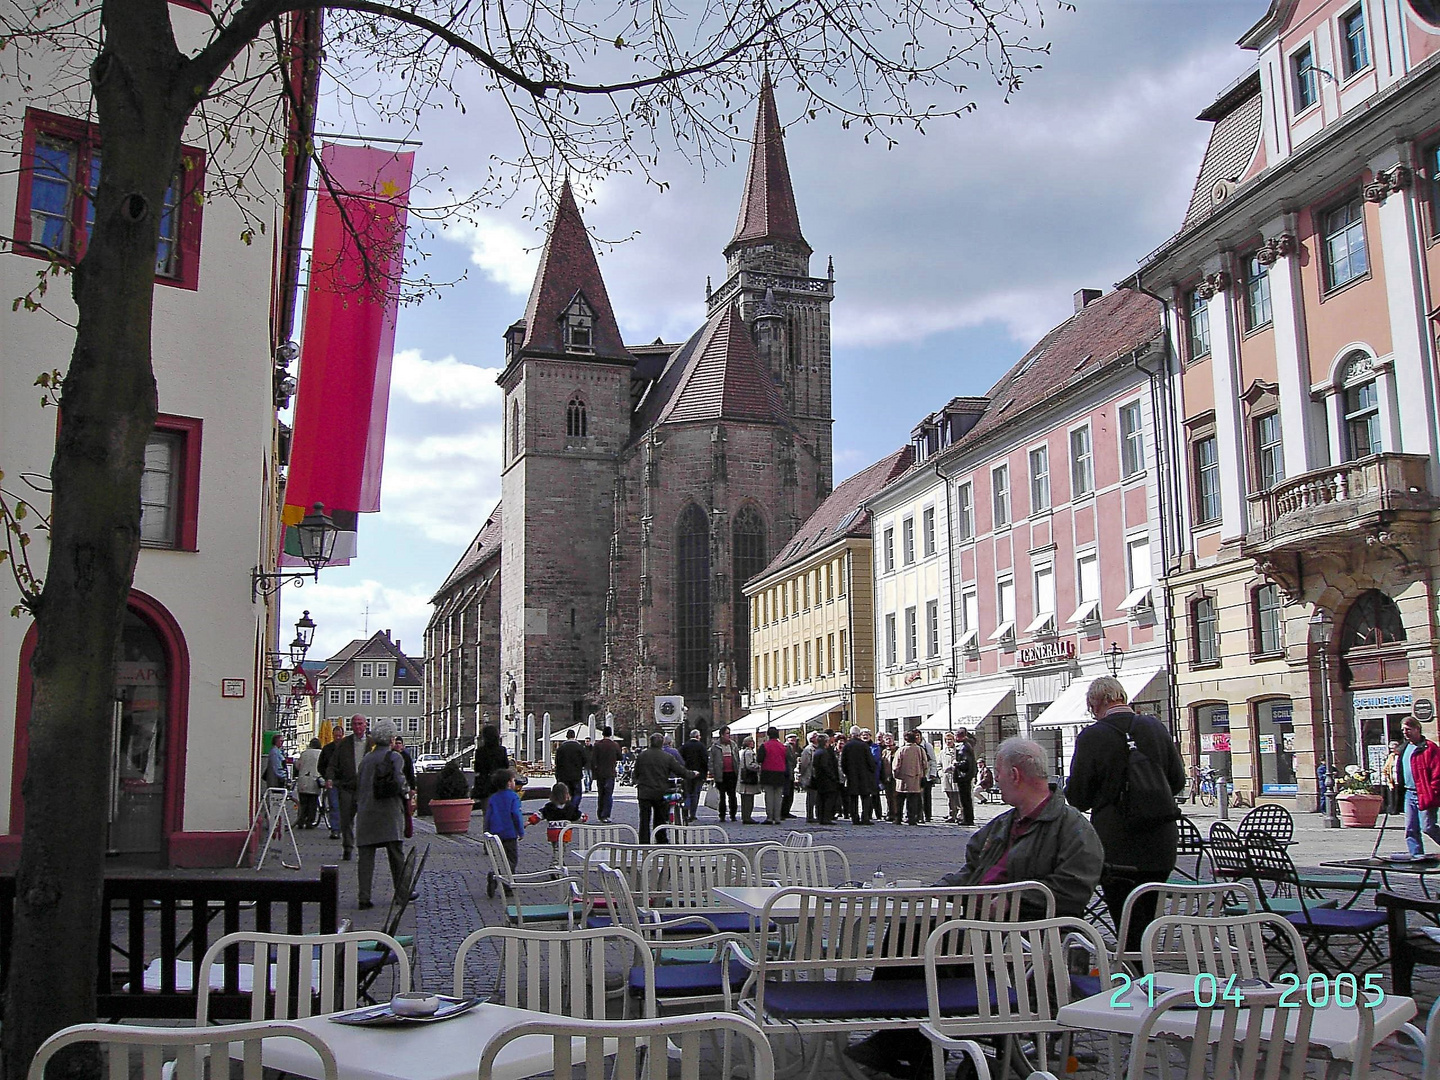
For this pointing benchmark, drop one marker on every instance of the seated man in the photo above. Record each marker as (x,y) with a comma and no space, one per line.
(1041,839)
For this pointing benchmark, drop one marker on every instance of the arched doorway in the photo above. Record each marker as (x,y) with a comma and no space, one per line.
(1375,673)
(147,733)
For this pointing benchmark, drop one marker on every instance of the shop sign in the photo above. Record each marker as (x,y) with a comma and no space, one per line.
(1381,702)
(1220,720)
(1046,652)
(1424,709)
(1267,744)
(1282,714)
(1218,743)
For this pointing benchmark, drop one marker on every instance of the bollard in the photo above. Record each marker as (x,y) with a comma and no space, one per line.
(1222,795)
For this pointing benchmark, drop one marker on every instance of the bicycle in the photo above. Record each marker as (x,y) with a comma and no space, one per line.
(1208,787)
(675,804)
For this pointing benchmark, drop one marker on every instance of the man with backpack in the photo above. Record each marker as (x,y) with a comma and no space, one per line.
(1127,772)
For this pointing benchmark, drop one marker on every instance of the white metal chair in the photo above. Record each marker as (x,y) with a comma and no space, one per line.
(811,868)
(638,1048)
(553,884)
(796,839)
(308,974)
(691,835)
(1018,979)
(186,1053)
(560,971)
(685,879)
(1210,901)
(1220,945)
(586,836)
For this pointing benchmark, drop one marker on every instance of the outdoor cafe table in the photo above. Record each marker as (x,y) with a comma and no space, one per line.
(1335,1028)
(445,1050)
(1385,867)
(752,899)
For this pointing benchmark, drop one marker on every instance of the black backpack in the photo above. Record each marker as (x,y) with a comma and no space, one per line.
(387,784)
(1145,796)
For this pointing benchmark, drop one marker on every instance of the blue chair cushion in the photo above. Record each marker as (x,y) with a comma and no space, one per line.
(539,912)
(1289,905)
(1338,920)
(1085,985)
(859,999)
(689,980)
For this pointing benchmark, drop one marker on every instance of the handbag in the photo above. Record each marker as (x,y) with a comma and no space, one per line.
(712,797)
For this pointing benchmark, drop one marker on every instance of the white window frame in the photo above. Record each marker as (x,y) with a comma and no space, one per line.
(1075,461)
(932,628)
(1140,578)
(382,670)
(1004,613)
(907,541)
(1040,500)
(927,531)
(1129,437)
(887,553)
(965,511)
(1044,621)
(382,697)
(969,619)
(892,640)
(334,697)
(912,634)
(1000,496)
(367,671)
(1087,607)
(349,697)
(414,697)
(366,697)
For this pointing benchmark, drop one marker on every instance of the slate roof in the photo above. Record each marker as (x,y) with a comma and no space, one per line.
(767,209)
(1233,139)
(482,549)
(568,266)
(716,375)
(377,646)
(840,515)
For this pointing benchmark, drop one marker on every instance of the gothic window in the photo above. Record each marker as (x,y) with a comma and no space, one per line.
(692,603)
(514,429)
(577,425)
(748,546)
(577,323)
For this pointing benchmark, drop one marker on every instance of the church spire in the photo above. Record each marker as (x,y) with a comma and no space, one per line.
(569,310)
(767,209)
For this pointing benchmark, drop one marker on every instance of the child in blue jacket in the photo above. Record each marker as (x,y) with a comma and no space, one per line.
(503,819)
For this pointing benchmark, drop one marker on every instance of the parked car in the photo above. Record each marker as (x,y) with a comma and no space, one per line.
(429,763)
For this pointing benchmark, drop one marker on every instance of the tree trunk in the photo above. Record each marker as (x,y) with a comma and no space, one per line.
(107,412)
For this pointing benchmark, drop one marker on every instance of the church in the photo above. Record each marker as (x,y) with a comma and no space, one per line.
(641,486)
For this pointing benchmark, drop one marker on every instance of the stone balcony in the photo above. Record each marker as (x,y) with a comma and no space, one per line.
(1332,509)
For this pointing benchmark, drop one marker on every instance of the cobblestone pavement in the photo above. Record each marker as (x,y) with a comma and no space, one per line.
(452,898)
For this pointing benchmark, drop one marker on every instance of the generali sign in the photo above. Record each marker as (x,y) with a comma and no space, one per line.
(1046,652)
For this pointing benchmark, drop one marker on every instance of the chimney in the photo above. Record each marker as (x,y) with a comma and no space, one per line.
(397,645)
(1085,297)
(387,633)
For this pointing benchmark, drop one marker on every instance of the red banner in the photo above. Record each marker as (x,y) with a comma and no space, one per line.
(349,336)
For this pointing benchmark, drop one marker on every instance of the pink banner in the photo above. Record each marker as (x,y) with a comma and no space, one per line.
(349,337)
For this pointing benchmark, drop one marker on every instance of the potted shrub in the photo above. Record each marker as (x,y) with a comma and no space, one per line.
(451,804)
(1359,805)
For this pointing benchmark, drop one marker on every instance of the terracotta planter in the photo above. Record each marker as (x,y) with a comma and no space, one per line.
(1359,811)
(451,815)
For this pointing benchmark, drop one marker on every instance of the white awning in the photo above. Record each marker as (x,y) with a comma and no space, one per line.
(1137,598)
(1046,619)
(969,709)
(1085,612)
(968,639)
(811,711)
(1004,630)
(1068,710)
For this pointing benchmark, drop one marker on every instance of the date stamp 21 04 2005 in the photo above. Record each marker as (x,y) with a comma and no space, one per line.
(1345,991)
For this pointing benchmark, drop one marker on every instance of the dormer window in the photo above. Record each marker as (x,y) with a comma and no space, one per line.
(577,325)
(514,338)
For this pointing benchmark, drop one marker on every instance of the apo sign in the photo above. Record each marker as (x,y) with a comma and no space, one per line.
(1046,652)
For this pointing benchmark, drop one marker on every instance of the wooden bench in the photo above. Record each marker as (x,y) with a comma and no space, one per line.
(155,928)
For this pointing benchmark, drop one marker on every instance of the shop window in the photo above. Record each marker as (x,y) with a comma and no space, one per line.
(1275,746)
(1213,722)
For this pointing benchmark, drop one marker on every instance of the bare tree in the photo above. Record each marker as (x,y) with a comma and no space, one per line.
(589,86)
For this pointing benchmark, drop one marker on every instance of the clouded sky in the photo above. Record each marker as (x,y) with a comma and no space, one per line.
(953,253)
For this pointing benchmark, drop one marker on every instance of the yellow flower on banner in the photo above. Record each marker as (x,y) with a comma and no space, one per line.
(327,733)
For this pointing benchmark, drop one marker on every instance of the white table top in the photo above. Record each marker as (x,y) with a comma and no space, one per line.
(1335,1028)
(448,1050)
(752,899)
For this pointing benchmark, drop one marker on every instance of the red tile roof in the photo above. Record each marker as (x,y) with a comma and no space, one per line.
(718,375)
(840,514)
(1116,324)
(767,210)
(482,549)
(568,266)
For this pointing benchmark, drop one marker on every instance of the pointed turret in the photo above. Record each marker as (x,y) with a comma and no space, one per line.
(569,311)
(767,209)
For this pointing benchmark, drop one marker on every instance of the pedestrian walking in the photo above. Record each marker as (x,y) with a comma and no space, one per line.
(749,779)
(570,767)
(826,781)
(490,759)
(603,760)
(858,765)
(773,760)
(503,820)
(910,766)
(308,784)
(697,759)
(1137,826)
(344,775)
(380,797)
(725,769)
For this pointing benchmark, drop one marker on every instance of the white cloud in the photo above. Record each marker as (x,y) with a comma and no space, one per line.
(342,613)
(507,255)
(443,485)
(446,382)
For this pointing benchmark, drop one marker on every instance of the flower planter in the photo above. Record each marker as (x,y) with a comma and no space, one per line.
(451,815)
(1359,811)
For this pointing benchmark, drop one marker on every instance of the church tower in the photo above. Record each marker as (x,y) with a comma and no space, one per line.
(788,311)
(566,418)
